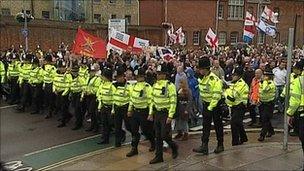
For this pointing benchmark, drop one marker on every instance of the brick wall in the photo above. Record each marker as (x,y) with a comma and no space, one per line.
(49,33)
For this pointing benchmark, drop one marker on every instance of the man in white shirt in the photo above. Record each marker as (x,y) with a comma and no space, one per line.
(280,74)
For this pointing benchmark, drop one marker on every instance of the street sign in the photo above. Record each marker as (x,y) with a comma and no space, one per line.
(24,32)
(117,24)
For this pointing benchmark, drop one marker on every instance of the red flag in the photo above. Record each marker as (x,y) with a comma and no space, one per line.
(89,45)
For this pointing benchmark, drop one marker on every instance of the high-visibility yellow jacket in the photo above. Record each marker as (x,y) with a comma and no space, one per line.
(36,76)
(296,101)
(121,95)
(237,93)
(83,72)
(140,96)
(92,85)
(267,91)
(211,88)
(13,69)
(78,84)
(25,71)
(2,72)
(48,73)
(62,83)
(105,94)
(163,97)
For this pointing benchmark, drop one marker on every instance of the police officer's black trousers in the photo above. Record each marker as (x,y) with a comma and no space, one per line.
(49,98)
(296,124)
(91,107)
(15,90)
(266,113)
(79,114)
(37,97)
(139,118)
(301,131)
(119,116)
(62,105)
(106,122)
(253,113)
(163,132)
(237,127)
(26,93)
(208,116)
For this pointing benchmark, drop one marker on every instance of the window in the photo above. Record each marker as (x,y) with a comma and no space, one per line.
(5,11)
(46,14)
(113,16)
(112,1)
(128,2)
(236,9)
(221,12)
(234,37)
(28,11)
(222,38)
(196,37)
(97,18)
(261,38)
(128,19)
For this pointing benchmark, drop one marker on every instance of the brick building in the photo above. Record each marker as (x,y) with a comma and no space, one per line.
(90,11)
(196,16)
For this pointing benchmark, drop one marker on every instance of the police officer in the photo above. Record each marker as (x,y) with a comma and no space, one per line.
(23,80)
(13,75)
(210,92)
(267,91)
(105,101)
(88,96)
(138,111)
(161,110)
(120,106)
(236,98)
(61,87)
(36,81)
(296,104)
(83,69)
(49,71)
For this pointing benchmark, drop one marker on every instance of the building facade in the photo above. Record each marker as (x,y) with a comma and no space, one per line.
(90,11)
(196,16)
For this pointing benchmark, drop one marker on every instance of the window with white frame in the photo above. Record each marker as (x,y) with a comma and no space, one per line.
(234,37)
(236,9)
(128,2)
(221,12)
(5,11)
(196,37)
(222,38)
(97,18)
(261,38)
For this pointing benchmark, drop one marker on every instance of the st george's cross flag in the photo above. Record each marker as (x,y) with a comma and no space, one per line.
(122,42)
(89,45)
(212,39)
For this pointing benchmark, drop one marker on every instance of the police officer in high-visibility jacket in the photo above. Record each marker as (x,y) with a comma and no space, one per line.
(105,101)
(12,76)
(121,97)
(162,110)
(2,72)
(61,87)
(267,95)
(88,96)
(49,71)
(77,87)
(36,81)
(296,104)
(140,99)
(83,68)
(236,98)
(211,88)
(23,80)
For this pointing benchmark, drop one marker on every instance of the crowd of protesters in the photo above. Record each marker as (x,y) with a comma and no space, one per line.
(183,70)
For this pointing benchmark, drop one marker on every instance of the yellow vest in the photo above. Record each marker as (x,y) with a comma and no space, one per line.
(105,94)
(140,96)
(238,92)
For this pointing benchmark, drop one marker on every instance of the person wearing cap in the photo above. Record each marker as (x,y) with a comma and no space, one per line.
(88,96)
(61,87)
(211,88)
(138,111)
(49,72)
(162,109)
(104,96)
(36,82)
(83,69)
(236,97)
(120,105)
(23,81)
(267,95)
(296,103)
(12,76)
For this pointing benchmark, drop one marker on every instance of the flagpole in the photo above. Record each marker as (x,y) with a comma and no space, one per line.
(166,20)
(217,17)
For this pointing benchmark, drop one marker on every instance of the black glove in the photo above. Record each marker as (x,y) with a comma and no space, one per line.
(231,99)
(163,90)
(141,93)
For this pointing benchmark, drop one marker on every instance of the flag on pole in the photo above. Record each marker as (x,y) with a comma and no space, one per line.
(269,15)
(180,36)
(89,45)
(267,28)
(212,39)
(165,53)
(249,27)
(122,42)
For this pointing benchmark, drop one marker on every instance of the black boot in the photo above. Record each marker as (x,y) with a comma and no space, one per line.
(157,160)
(104,141)
(202,149)
(270,134)
(61,125)
(262,138)
(77,127)
(174,151)
(152,148)
(219,149)
(133,152)
(34,112)
(21,109)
